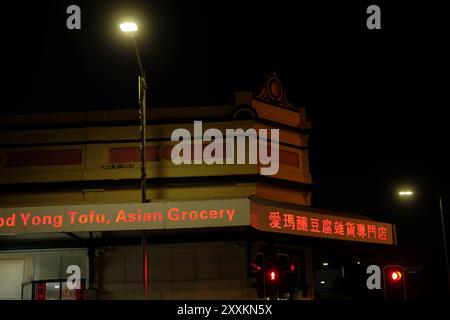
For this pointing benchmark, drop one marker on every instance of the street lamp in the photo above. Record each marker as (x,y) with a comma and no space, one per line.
(128,26)
(407,193)
(130,29)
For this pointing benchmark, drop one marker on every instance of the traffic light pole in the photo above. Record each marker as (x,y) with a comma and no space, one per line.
(264,276)
(444,239)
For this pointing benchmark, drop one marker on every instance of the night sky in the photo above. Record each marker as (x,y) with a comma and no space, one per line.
(371,95)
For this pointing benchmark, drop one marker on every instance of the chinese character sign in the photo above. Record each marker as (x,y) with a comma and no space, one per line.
(320,225)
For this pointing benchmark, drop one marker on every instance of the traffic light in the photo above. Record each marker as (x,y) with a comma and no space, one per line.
(289,274)
(257,269)
(396,276)
(272,277)
(266,270)
(394,283)
(276,274)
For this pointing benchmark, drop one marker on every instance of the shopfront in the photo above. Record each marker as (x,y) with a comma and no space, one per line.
(222,259)
(71,181)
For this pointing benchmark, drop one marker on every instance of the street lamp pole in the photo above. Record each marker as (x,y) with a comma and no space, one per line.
(131,29)
(143,134)
(409,193)
(143,121)
(142,93)
(444,239)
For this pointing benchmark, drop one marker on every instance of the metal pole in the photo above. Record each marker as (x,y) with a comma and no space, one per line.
(143,133)
(145,262)
(143,126)
(444,238)
(143,121)
(138,56)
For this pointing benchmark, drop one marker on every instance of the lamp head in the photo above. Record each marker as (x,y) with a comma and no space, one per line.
(405,193)
(129,28)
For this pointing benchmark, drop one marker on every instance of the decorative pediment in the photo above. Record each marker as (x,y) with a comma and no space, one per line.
(272,92)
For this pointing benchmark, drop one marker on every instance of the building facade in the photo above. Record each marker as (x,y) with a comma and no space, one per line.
(70,195)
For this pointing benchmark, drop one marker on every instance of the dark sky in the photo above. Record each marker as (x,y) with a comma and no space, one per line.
(371,95)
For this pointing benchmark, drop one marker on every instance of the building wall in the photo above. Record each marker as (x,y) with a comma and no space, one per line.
(93,157)
(69,160)
(214,270)
(101,153)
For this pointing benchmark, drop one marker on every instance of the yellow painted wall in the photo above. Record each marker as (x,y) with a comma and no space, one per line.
(95,143)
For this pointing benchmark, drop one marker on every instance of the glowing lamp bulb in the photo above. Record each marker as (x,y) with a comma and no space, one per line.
(128,27)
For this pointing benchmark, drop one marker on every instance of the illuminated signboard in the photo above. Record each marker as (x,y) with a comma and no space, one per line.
(312,224)
(192,214)
(133,216)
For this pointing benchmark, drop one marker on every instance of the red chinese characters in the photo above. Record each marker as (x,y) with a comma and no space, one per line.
(302,223)
(315,225)
(361,230)
(327,227)
(371,231)
(275,220)
(350,228)
(289,221)
(382,233)
(339,228)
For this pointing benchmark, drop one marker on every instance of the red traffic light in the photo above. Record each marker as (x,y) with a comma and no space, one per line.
(255,267)
(394,282)
(273,275)
(395,276)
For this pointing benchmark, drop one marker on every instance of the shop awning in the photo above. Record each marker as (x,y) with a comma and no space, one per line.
(263,215)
